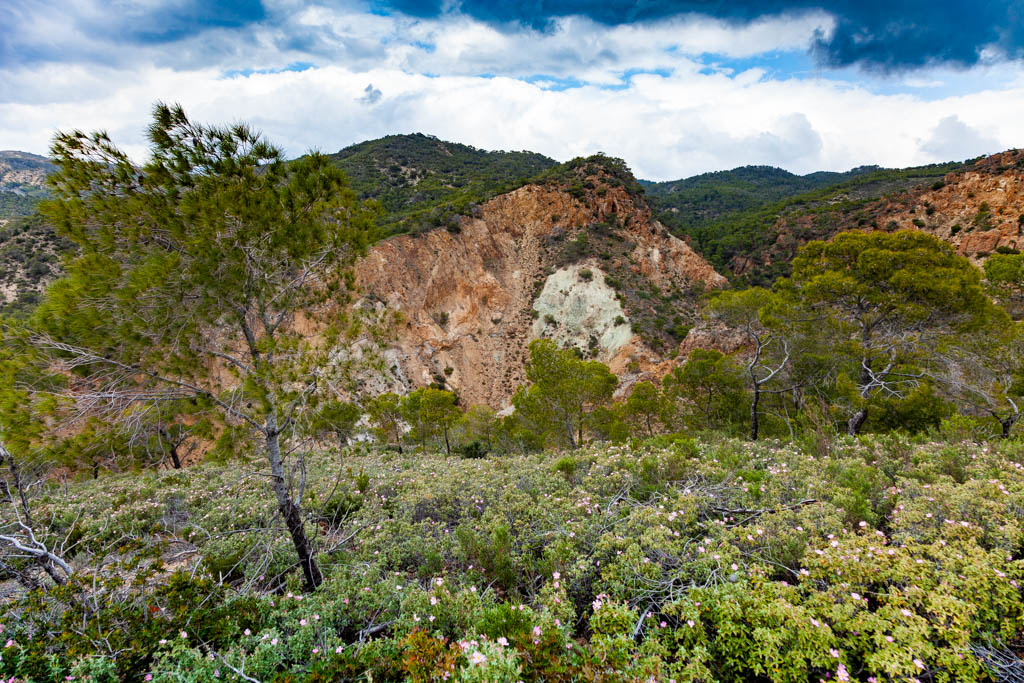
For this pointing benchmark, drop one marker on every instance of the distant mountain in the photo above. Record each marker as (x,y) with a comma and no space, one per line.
(22,182)
(756,246)
(690,203)
(745,221)
(422,182)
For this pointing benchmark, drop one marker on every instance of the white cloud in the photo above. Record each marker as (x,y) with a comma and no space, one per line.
(370,81)
(665,127)
(954,139)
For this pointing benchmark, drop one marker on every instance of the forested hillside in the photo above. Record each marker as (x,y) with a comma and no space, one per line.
(691,203)
(422,182)
(22,182)
(756,243)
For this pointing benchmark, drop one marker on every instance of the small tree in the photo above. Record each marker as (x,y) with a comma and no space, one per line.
(433,413)
(706,391)
(753,311)
(478,423)
(196,274)
(564,391)
(385,413)
(645,405)
(336,417)
(891,300)
(984,371)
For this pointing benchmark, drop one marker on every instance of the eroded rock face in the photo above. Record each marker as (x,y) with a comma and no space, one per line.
(978,211)
(466,298)
(577,308)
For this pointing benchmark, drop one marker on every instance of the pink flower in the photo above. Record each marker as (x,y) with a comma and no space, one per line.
(338,649)
(149,677)
(503,641)
(536,631)
(302,622)
(842,674)
(918,663)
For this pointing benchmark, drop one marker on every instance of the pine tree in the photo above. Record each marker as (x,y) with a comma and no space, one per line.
(202,273)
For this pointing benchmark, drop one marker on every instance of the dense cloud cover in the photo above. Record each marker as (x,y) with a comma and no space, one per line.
(875,33)
(673,87)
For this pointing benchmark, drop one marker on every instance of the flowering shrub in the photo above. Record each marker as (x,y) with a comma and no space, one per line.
(881,559)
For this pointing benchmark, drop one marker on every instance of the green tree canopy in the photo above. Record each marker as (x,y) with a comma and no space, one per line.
(197,272)
(431,413)
(891,299)
(564,391)
(706,392)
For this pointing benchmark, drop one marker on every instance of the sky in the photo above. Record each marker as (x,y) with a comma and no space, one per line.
(674,87)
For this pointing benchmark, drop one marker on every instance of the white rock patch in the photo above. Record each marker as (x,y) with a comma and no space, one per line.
(581,308)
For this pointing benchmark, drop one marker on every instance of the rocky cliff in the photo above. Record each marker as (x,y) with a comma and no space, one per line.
(583,262)
(978,210)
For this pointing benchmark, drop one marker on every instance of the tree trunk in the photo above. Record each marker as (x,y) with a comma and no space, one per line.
(289,510)
(860,417)
(754,424)
(447,445)
(1007,424)
(857,421)
(175,460)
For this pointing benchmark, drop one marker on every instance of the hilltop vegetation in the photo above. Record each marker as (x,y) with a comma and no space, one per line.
(690,203)
(421,182)
(741,242)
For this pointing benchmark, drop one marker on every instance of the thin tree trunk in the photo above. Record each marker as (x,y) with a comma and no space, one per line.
(857,421)
(289,510)
(1007,424)
(754,424)
(447,445)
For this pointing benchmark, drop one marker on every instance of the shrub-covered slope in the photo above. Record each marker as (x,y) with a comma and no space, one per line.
(690,203)
(422,182)
(22,182)
(718,561)
(756,245)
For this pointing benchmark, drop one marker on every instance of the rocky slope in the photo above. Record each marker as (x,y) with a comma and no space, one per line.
(975,206)
(589,267)
(979,210)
